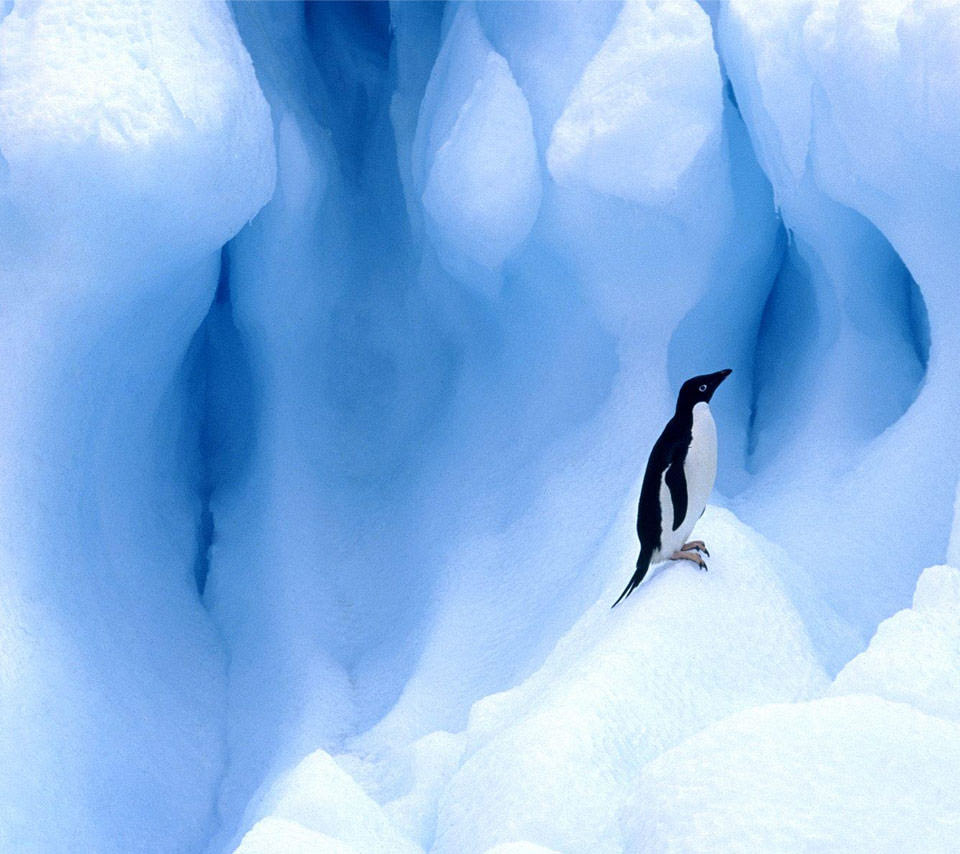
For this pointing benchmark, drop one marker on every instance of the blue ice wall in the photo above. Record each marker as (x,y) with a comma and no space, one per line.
(339,334)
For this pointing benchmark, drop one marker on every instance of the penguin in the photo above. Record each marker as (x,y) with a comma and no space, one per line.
(678,480)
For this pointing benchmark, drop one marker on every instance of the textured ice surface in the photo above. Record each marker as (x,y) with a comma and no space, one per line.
(842,774)
(144,117)
(839,100)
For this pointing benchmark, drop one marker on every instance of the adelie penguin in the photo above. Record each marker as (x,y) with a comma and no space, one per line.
(678,480)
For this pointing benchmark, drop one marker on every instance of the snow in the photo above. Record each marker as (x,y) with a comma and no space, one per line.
(554,759)
(335,340)
(99,103)
(915,655)
(279,836)
(318,797)
(519,848)
(841,774)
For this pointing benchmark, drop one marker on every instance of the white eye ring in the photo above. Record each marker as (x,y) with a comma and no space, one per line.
(703,387)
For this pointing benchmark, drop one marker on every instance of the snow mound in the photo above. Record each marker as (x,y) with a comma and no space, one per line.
(278,836)
(519,848)
(857,774)
(319,797)
(647,103)
(851,108)
(433,760)
(915,655)
(555,759)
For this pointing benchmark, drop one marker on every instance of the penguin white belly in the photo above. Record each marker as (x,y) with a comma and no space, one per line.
(700,471)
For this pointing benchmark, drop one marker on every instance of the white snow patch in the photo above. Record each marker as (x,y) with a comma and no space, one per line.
(915,655)
(857,774)
(323,798)
(519,848)
(279,836)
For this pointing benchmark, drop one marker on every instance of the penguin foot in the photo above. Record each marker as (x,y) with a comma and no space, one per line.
(696,546)
(693,557)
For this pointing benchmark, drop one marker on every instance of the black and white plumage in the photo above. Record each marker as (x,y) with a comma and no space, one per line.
(678,480)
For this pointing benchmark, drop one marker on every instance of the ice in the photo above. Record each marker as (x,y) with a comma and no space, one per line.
(335,339)
(561,378)
(134,141)
(953,545)
(827,92)
(915,655)
(645,106)
(481,190)
(856,774)
(100,107)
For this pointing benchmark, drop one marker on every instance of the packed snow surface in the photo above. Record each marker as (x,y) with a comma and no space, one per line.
(335,338)
(854,774)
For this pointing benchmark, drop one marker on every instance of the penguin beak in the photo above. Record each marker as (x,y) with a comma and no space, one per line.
(723,374)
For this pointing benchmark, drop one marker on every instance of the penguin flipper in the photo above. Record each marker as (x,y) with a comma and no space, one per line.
(677,483)
(643,564)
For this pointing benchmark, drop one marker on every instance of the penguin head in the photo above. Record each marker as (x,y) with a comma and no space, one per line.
(700,389)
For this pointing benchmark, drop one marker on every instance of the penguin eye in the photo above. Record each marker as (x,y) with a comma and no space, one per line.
(703,387)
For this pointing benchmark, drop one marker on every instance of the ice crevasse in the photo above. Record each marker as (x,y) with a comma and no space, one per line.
(334,339)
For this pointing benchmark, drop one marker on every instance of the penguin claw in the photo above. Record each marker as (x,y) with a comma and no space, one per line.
(691,556)
(695,545)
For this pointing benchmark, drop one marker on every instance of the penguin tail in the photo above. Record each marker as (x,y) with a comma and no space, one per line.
(643,564)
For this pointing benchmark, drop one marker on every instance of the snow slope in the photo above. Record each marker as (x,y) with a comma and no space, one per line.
(844,774)
(556,759)
(871,767)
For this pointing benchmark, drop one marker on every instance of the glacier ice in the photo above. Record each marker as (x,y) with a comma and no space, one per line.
(480,183)
(121,179)
(335,338)
(644,107)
